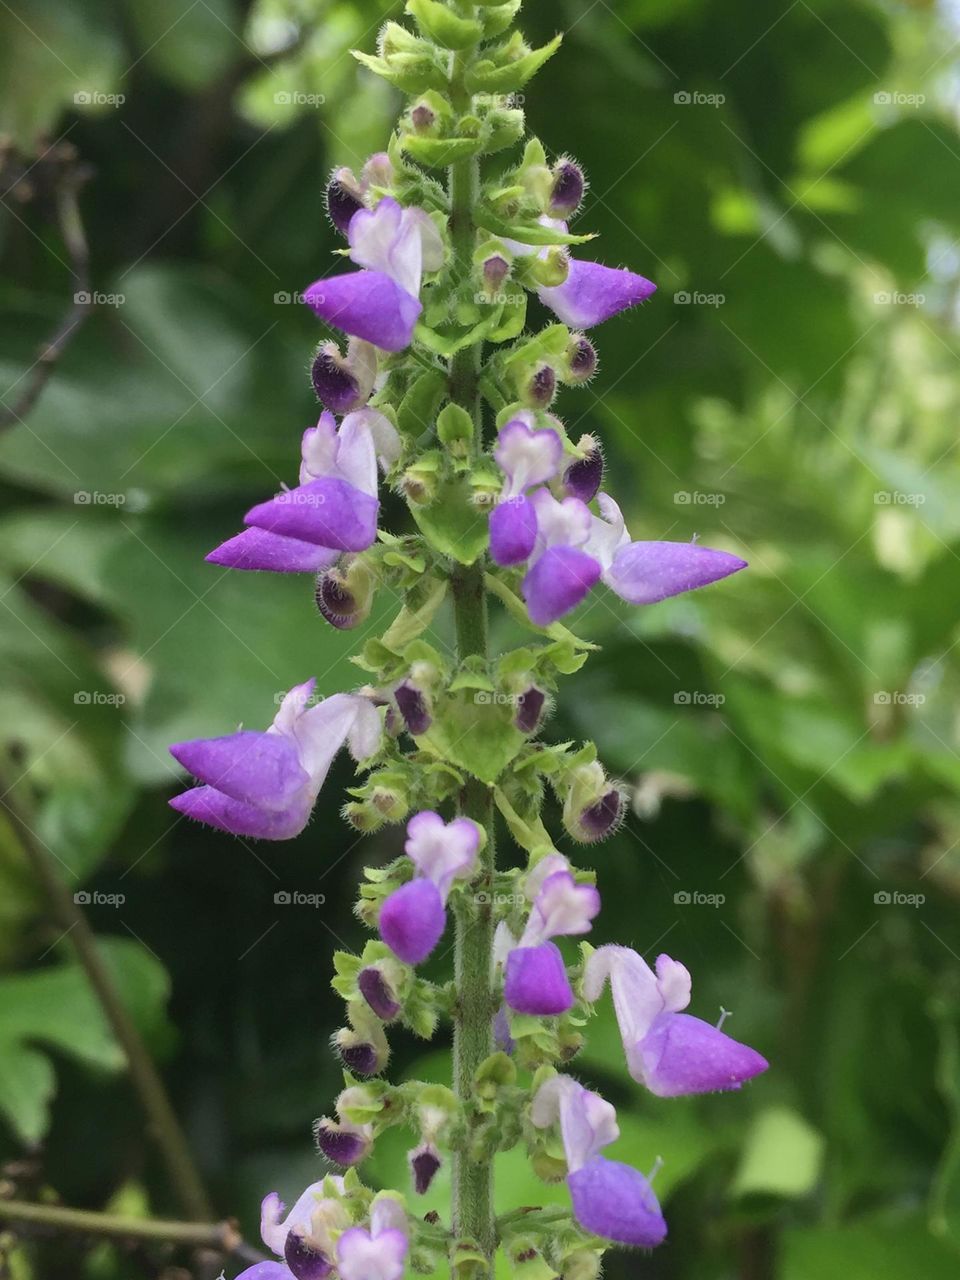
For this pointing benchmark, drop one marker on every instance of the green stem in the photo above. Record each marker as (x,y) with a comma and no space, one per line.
(473,947)
(221,1236)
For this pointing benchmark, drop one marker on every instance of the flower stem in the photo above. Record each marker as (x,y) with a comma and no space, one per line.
(221,1236)
(473,947)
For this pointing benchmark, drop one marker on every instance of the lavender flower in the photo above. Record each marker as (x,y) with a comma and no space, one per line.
(381,303)
(333,509)
(536,978)
(305,1238)
(610,1199)
(670,1052)
(413,917)
(264,785)
(527,457)
(380,1253)
(344,384)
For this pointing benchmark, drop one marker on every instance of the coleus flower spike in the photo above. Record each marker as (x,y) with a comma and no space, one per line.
(264,784)
(669,1051)
(413,917)
(535,975)
(394,246)
(610,1199)
(333,509)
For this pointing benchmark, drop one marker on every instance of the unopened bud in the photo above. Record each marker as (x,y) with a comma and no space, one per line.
(569,185)
(342,1144)
(582,1264)
(344,198)
(362,1053)
(424,1161)
(344,383)
(495,270)
(530,710)
(583,477)
(423,118)
(344,598)
(581,360)
(540,388)
(377,172)
(414,708)
(378,992)
(593,808)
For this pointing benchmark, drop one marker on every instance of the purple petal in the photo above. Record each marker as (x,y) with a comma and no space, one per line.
(266,1271)
(501,1032)
(645,572)
(582,479)
(327,512)
(362,1256)
(530,710)
(412,920)
(558,582)
(305,1261)
(369,305)
(413,707)
(592,293)
(425,1162)
(536,981)
(682,1054)
(257,549)
(340,1145)
(335,386)
(361,1058)
(205,804)
(616,1202)
(513,531)
(261,769)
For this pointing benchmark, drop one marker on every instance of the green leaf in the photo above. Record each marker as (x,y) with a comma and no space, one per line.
(452,524)
(525,232)
(783,1156)
(439,153)
(439,23)
(487,77)
(474,733)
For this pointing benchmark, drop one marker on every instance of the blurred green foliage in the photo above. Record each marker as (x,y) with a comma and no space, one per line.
(790,176)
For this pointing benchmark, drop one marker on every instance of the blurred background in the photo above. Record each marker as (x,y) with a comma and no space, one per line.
(789,174)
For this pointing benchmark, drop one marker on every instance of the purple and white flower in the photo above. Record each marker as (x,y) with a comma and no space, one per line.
(535,980)
(304,1238)
(527,457)
(380,1253)
(346,194)
(413,917)
(333,509)
(264,784)
(669,1051)
(344,383)
(610,1199)
(381,303)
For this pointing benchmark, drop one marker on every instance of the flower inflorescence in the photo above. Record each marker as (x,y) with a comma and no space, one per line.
(435,316)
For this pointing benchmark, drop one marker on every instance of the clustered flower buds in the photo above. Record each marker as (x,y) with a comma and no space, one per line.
(431,338)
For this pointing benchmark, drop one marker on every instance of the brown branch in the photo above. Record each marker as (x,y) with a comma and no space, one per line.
(146,1080)
(221,1236)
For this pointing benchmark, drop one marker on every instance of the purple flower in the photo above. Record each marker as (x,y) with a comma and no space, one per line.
(304,1239)
(574,549)
(333,509)
(381,303)
(609,1199)
(343,1143)
(380,1253)
(264,785)
(413,917)
(527,457)
(346,196)
(670,1052)
(536,978)
(583,477)
(425,1163)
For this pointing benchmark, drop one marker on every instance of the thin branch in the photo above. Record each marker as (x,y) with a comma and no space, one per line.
(221,1236)
(75,241)
(146,1080)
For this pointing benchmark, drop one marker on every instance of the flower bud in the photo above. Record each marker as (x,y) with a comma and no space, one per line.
(527,1262)
(304,1259)
(530,709)
(567,191)
(363,1053)
(581,362)
(539,387)
(424,1161)
(344,599)
(495,270)
(344,384)
(344,197)
(593,808)
(342,1144)
(375,987)
(377,172)
(582,1264)
(414,708)
(583,477)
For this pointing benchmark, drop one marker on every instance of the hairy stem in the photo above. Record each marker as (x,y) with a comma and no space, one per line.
(221,1236)
(472,1028)
(161,1118)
